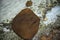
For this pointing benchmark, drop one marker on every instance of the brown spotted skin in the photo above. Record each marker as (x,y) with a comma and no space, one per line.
(26,24)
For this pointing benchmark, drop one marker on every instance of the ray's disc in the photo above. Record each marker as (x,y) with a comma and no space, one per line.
(26,24)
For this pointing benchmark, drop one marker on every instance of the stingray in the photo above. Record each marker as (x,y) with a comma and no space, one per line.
(26,24)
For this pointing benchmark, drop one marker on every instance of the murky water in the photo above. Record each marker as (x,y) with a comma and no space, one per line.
(9,9)
(52,15)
